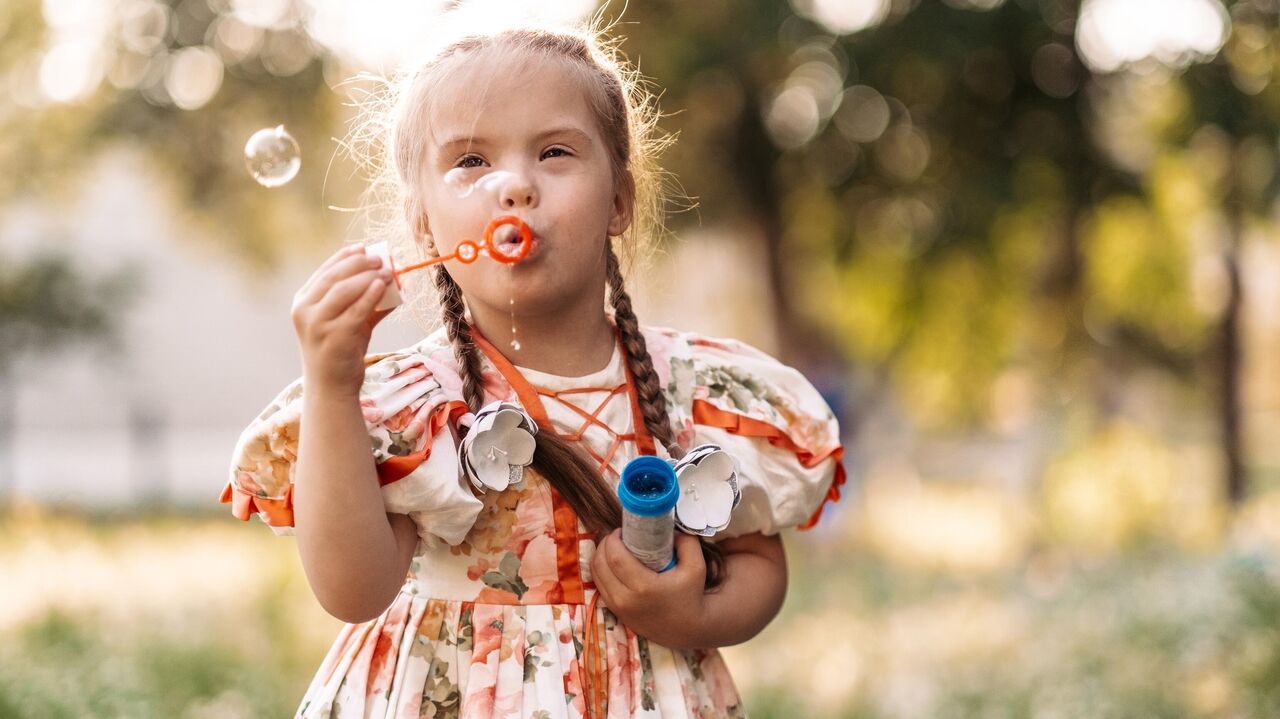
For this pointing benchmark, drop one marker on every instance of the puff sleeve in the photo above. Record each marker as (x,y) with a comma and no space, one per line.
(770,418)
(412,406)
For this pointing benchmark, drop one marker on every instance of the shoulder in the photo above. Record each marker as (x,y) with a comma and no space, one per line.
(705,375)
(406,394)
(408,398)
(428,366)
(765,413)
(433,353)
(693,347)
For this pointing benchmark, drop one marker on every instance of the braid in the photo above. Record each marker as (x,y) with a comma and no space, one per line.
(555,458)
(653,404)
(464,347)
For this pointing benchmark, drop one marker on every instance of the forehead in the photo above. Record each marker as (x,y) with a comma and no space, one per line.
(496,95)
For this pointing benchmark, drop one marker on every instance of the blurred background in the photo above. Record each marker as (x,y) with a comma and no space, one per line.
(1027,248)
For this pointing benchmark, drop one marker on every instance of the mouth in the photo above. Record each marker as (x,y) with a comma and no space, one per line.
(507,241)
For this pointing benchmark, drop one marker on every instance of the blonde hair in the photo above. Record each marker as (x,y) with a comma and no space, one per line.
(389,137)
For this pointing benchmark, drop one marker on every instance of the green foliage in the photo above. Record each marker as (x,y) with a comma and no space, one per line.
(48,301)
(198,153)
(995,211)
(62,666)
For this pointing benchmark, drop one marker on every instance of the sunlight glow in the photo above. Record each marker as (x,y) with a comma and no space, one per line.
(76,57)
(382,34)
(71,70)
(843,17)
(194,76)
(1113,34)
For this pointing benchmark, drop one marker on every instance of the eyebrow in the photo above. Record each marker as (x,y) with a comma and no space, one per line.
(472,141)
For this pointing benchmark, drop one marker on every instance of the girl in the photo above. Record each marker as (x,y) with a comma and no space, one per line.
(524,602)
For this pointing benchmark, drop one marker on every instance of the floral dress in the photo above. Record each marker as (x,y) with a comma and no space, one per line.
(498,616)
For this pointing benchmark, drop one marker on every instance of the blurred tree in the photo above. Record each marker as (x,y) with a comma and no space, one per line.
(918,187)
(944,192)
(261,77)
(48,304)
(945,195)
(1235,104)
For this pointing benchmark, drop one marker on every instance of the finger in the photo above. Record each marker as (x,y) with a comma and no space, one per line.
(343,294)
(604,580)
(344,268)
(624,565)
(362,309)
(608,547)
(343,253)
(689,559)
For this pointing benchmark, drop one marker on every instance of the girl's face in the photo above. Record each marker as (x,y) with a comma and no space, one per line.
(521,140)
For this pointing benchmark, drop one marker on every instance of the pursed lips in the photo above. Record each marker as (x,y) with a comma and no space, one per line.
(534,245)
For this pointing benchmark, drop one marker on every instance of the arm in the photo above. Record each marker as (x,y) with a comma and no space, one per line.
(355,555)
(672,608)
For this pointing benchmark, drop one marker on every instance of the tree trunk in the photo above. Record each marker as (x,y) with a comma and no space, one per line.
(8,427)
(798,341)
(1229,358)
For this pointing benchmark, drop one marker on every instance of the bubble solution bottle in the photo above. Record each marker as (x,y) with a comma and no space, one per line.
(648,491)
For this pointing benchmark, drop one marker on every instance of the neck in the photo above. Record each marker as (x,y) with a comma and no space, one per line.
(572,342)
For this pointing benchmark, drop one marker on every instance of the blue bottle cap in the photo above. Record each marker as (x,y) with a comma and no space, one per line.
(648,487)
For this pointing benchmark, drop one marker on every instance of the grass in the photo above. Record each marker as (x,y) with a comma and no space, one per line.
(203,617)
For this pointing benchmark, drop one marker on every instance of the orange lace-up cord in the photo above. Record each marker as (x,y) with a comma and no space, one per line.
(596,671)
(595,682)
(592,418)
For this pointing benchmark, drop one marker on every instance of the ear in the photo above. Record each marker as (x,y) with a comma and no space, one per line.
(624,202)
(422,233)
(416,215)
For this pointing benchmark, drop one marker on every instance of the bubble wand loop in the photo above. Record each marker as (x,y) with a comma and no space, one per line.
(467,251)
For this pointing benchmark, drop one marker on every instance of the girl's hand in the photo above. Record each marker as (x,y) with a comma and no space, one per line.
(667,608)
(334,317)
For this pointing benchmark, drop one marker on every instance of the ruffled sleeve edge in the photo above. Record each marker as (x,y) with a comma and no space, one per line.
(277,512)
(707,414)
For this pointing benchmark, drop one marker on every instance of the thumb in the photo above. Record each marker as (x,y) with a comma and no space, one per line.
(689,554)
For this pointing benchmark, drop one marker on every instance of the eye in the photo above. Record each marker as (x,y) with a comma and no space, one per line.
(563,152)
(469,161)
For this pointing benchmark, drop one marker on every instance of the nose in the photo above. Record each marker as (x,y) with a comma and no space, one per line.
(515,191)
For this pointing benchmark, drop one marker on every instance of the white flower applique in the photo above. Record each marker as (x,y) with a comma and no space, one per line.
(708,478)
(498,446)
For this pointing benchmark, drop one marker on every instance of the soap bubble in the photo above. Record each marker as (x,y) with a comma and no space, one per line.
(456,180)
(272,156)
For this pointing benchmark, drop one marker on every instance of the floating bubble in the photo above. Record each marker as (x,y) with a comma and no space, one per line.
(457,181)
(272,156)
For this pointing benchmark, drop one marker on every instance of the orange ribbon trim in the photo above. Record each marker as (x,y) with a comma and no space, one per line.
(276,512)
(596,658)
(393,468)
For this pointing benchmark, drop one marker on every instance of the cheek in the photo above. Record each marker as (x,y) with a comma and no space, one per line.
(469,277)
